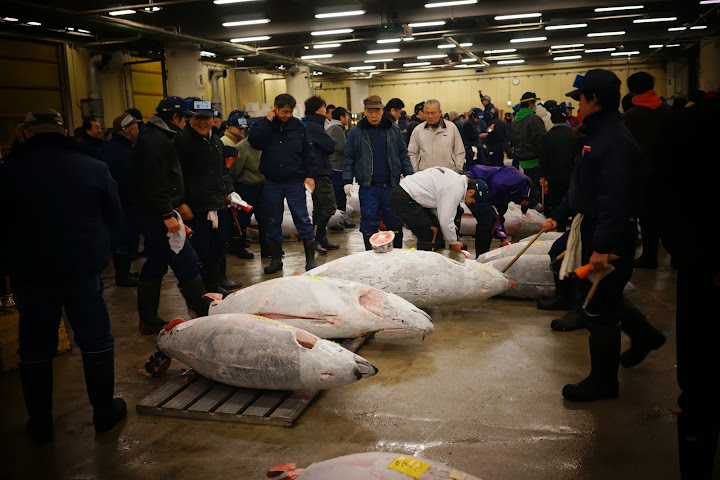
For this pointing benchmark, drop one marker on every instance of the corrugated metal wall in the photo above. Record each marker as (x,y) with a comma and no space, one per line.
(147,86)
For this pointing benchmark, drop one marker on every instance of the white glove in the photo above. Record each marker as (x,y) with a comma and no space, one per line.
(212,217)
(348,189)
(236,201)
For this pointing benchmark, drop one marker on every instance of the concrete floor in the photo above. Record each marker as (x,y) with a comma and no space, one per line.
(482,393)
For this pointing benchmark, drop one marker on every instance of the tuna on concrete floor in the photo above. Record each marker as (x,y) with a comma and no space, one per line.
(482,393)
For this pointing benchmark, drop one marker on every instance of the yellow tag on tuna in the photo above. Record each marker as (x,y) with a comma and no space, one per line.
(458,475)
(409,466)
(315,277)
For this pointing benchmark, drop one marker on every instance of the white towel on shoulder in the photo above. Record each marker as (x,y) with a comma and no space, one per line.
(573,252)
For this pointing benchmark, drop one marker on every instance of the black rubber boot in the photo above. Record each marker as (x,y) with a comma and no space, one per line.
(242,251)
(309,254)
(37,386)
(276,264)
(602,383)
(645,338)
(347,224)
(366,239)
(397,241)
(562,298)
(224,282)
(148,301)
(100,380)
(482,243)
(575,318)
(426,246)
(262,238)
(122,271)
(194,293)
(697,445)
(321,236)
(210,274)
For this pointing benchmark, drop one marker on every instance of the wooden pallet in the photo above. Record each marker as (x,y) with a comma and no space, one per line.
(193,396)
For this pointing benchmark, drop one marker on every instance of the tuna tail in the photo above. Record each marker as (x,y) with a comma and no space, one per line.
(285,471)
(364,368)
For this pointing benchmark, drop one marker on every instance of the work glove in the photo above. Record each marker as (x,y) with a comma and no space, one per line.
(348,189)
(212,217)
(235,201)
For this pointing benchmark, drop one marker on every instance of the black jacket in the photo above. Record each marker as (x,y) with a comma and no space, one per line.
(560,146)
(499,133)
(91,146)
(323,144)
(414,122)
(527,137)
(471,131)
(157,177)
(117,154)
(58,207)
(287,155)
(203,167)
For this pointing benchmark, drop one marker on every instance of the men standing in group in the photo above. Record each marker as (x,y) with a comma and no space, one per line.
(603,194)
(92,141)
(117,154)
(471,138)
(526,138)
(494,137)
(51,174)
(436,142)
(336,129)
(323,195)
(158,192)
(288,163)
(415,120)
(234,131)
(376,156)
(328,112)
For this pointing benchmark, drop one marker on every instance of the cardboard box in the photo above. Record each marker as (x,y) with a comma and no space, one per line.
(9,319)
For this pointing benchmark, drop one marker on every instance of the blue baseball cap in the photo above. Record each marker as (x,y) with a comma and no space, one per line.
(236,113)
(596,79)
(569,105)
(477,112)
(217,114)
(481,189)
(516,107)
(196,106)
(173,104)
(528,97)
(238,122)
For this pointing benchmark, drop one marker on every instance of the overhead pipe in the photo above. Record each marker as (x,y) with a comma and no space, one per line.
(215,76)
(465,50)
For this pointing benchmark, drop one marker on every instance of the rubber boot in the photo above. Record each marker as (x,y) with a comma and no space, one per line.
(697,445)
(224,282)
(37,386)
(482,243)
(426,246)
(602,383)
(309,254)
(321,235)
(276,254)
(398,240)
(100,380)
(148,301)
(561,300)
(194,293)
(210,274)
(366,239)
(122,271)
(575,318)
(347,224)
(242,251)
(262,238)
(645,338)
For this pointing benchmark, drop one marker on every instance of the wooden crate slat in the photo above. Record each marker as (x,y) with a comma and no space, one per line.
(190,395)
(218,395)
(295,404)
(239,401)
(168,391)
(265,403)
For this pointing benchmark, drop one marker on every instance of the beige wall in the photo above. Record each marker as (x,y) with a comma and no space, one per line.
(709,75)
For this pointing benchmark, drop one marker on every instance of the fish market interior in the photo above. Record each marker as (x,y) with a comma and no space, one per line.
(359,239)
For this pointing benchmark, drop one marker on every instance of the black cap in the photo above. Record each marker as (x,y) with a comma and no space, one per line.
(596,79)
(480,187)
(419,106)
(197,106)
(172,104)
(529,96)
(229,151)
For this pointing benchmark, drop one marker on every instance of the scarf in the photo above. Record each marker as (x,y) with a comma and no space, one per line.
(648,99)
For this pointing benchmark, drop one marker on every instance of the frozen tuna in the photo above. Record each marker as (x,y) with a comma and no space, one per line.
(329,307)
(544,237)
(537,248)
(255,352)
(422,278)
(516,224)
(375,465)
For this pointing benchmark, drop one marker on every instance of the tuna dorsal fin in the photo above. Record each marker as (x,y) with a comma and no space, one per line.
(174,323)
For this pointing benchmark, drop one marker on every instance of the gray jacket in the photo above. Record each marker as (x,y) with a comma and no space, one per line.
(337,131)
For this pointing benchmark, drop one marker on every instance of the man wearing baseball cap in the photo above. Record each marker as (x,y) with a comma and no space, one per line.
(158,192)
(471,138)
(117,154)
(572,119)
(234,131)
(415,120)
(58,207)
(603,195)
(527,132)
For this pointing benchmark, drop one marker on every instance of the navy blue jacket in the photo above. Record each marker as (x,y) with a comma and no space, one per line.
(471,132)
(358,154)
(58,206)
(287,155)
(91,146)
(322,142)
(605,181)
(117,154)
(499,134)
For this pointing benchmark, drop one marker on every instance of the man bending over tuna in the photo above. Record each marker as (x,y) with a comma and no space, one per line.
(428,200)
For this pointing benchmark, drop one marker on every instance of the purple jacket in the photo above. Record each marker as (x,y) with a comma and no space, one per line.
(504,184)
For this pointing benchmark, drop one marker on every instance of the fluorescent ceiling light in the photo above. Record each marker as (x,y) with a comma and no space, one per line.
(385,50)
(331,32)
(408,39)
(257,21)
(34,24)
(450,4)
(380,60)
(317,73)
(698,27)
(326,45)
(362,67)
(605,34)
(598,50)
(469,60)
(510,62)
(529,39)
(71,29)
(312,57)
(500,57)
(115,13)
(617,54)
(240,59)
(565,27)
(203,53)
(10,19)
(506,50)
(653,20)
(83,31)
(153,9)
(708,2)
(416,64)
(452,45)
(667,46)
(573,45)
(224,2)
(426,57)
(520,15)
(680,29)
(615,9)
(568,57)
(250,39)
(427,24)
(464,65)
(426,69)
(388,40)
(349,13)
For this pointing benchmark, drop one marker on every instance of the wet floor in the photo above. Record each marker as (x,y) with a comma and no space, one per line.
(482,393)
